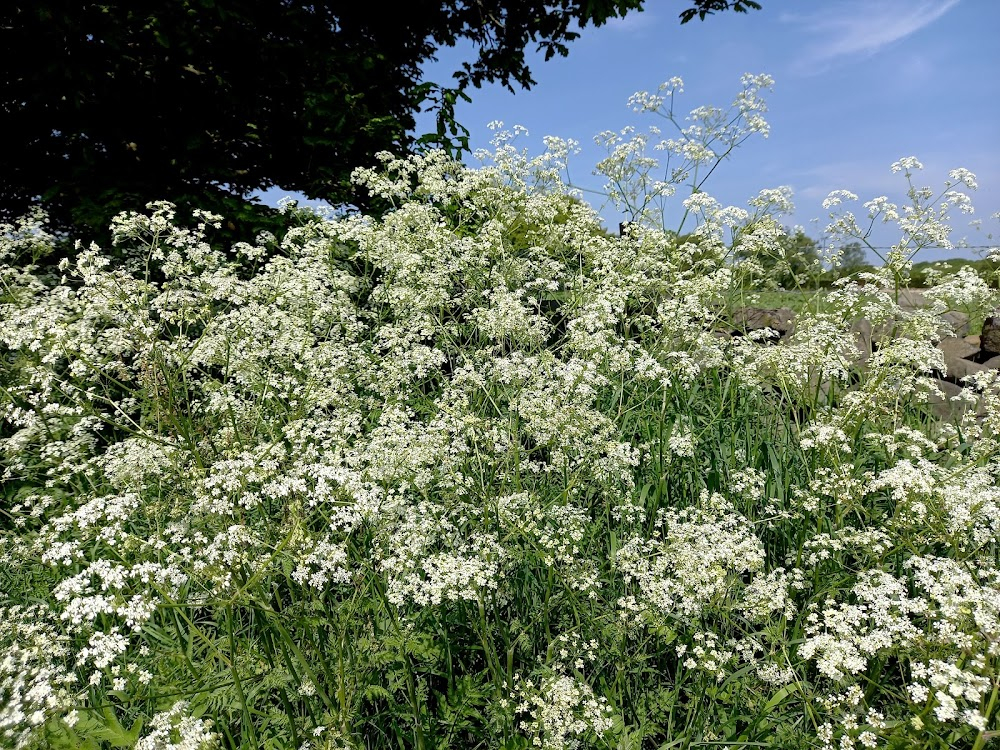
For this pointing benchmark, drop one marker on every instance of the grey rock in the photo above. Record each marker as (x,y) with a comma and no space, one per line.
(757,318)
(947,409)
(870,337)
(958,321)
(884,332)
(960,369)
(958,355)
(989,339)
(862,330)
(911,298)
(956,348)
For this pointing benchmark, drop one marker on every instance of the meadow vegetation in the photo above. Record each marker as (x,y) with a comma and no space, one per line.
(475,473)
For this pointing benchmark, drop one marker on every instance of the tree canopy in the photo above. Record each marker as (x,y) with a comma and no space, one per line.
(106,106)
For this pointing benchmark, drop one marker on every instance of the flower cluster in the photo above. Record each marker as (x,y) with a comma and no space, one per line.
(559,710)
(474,471)
(692,562)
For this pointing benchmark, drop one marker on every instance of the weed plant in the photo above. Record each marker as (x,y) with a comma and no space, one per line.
(477,474)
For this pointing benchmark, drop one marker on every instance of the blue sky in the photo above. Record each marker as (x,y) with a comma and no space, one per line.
(858,85)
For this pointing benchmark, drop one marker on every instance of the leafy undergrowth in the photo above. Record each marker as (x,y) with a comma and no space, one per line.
(477,474)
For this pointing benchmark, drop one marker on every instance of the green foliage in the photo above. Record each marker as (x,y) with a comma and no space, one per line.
(709,7)
(799,259)
(791,262)
(925,273)
(851,259)
(108,106)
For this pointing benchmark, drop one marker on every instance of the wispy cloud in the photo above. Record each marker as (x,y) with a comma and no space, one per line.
(852,30)
(633,23)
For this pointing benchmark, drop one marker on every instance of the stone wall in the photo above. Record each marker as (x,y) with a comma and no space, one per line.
(964,353)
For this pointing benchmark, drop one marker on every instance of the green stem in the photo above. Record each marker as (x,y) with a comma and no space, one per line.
(247,719)
(982,737)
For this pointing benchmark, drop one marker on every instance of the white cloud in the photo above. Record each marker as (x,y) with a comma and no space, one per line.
(855,30)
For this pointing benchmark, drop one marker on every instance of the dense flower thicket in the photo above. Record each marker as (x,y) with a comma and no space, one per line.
(479,474)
